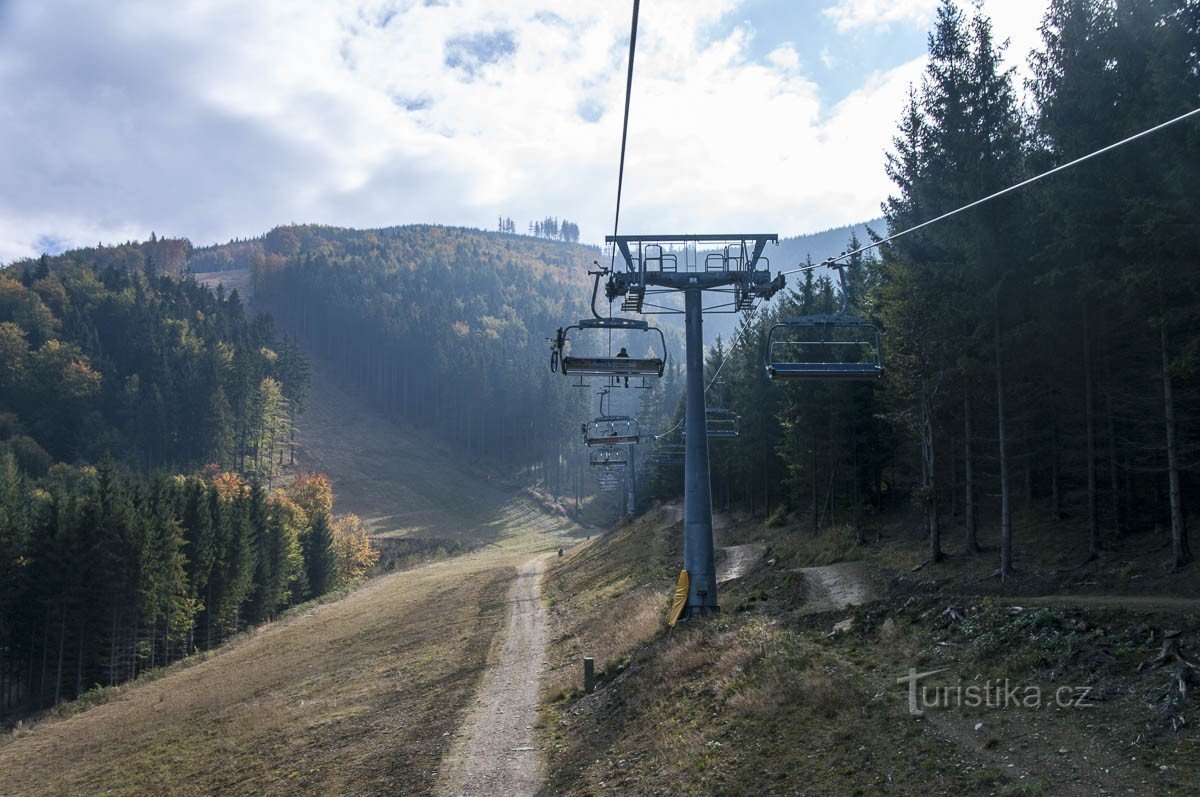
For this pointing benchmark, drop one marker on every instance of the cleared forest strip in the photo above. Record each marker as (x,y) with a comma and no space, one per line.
(400,480)
(361,695)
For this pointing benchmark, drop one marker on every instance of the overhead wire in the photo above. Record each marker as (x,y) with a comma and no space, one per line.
(624,140)
(1000,193)
(625,125)
(976,203)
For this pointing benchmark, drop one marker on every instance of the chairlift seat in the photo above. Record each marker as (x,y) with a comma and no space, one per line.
(723,424)
(609,366)
(613,366)
(607,457)
(843,371)
(611,430)
(824,347)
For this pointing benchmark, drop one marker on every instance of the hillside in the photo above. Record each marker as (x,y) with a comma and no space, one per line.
(795,250)
(150,369)
(363,694)
(793,688)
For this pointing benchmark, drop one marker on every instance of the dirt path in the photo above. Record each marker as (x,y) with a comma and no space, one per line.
(494,752)
(738,560)
(837,586)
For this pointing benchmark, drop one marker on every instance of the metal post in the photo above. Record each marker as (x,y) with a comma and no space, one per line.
(698,557)
(589,675)
(630,487)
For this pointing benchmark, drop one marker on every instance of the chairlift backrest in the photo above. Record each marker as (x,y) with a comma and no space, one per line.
(832,347)
(723,424)
(607,456)
(610,430)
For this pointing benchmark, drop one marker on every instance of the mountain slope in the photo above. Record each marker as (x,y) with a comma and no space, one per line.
(358,696)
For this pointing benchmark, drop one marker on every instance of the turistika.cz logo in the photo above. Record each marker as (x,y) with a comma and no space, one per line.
(998,694)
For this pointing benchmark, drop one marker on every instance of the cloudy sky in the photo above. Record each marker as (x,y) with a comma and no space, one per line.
(214,119)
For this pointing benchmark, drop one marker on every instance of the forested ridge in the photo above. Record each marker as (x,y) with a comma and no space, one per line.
(440,326)
(154,370)
(1040,351)
(141,418)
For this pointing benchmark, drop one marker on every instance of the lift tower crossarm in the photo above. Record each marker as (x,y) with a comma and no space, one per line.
(759,239)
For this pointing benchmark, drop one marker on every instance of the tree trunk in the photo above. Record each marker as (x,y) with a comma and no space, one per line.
(1089,402)
(79,662)
(1005,508)
(928,466)
(816,510)
(1114,480)
(112,651)
(1181,553)
(62,642)
(971,543)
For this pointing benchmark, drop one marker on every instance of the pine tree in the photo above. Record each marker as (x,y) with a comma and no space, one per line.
(319,560)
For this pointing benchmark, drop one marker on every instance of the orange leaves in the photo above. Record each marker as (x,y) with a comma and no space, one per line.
(313,494)
(230,486)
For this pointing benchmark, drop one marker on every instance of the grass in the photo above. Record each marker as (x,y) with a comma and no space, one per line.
(763,700)
(359,695)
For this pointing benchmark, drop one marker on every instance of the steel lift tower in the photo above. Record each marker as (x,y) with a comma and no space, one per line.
(732,268)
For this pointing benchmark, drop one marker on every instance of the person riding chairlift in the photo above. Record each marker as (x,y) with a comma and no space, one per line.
(625,354)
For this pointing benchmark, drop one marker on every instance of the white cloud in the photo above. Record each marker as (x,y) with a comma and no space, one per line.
(850,15)
(222,119)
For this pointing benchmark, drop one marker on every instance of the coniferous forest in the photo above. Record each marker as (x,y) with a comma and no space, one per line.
(1041,350)
(441,327)
(115,378)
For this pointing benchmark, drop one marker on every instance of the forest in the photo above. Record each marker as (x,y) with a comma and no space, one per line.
(1040,351)
(143,418)
(445,328)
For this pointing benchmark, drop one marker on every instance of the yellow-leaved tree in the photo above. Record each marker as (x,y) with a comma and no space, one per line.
(352,549)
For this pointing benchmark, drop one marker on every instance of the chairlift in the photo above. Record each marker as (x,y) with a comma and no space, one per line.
(608,478)
(611,430)
(722,423)
(607,457)
(617,367)
(831,347)
(668,454)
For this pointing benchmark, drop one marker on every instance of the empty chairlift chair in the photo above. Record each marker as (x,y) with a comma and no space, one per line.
(722,424)
(611,430)
(831,347)
(668,454)
(607,457)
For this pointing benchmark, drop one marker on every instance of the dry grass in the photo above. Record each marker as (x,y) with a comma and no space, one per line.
(358,696)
